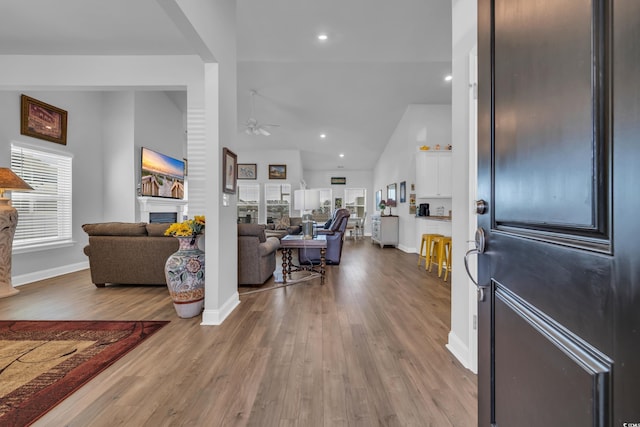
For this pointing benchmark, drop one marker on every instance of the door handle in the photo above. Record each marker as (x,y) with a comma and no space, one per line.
(479,249)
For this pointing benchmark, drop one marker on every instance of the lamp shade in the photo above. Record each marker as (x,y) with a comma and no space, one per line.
(12,182)
(306,200)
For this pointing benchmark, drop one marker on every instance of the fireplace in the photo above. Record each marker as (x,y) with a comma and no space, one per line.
(163,217)
(161,209)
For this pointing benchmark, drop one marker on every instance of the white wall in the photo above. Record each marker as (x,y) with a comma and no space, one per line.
(118,131)
(420,125)
(462,338)
(262,159)
(105,170)
(84,144)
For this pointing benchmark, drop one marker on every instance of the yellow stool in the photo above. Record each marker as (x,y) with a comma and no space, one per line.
(427,240)
(441,254)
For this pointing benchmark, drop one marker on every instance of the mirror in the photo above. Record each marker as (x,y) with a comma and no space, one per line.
(391,192)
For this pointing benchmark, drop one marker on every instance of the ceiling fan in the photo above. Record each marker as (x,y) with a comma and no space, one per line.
(253,127)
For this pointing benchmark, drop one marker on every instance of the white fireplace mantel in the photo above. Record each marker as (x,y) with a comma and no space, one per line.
(159,204)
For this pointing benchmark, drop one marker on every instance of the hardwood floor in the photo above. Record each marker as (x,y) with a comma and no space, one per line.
(365,349)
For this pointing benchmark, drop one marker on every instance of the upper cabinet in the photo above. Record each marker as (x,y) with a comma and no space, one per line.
(433,174)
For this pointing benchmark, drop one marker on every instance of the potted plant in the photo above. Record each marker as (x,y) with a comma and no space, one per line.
(382,206)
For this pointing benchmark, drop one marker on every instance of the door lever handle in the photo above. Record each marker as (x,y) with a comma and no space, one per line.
(479,249)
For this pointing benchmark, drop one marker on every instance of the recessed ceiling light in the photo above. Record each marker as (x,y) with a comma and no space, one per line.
(323,135)
(341,155)
(323,37)
(448,78)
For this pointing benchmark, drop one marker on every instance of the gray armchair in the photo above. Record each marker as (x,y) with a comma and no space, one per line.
(256,254)
(335,237)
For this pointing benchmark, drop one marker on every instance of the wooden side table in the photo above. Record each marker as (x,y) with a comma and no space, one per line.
(289,242)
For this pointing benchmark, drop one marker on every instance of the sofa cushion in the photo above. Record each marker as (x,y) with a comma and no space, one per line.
(157,229)
(256,230)
(116,229)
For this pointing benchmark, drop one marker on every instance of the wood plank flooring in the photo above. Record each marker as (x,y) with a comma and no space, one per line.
(365,349)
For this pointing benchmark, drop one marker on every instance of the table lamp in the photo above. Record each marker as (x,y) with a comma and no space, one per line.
(9,181)
(305,201)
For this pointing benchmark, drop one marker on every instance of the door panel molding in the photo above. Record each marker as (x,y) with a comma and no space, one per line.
(585,367)
(532,100)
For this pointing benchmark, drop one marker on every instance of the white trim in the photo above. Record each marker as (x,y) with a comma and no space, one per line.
(473,195)
(216,317)
(24,279)
(459,350)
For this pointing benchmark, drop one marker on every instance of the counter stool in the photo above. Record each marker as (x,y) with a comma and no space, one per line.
(441,254)
(427,240)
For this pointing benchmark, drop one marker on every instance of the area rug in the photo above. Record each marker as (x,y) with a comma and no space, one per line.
(43,362)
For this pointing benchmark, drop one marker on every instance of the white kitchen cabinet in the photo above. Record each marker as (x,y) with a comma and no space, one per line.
(385,230)
(433,174)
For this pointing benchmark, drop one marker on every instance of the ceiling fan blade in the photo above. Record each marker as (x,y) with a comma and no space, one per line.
(263,131)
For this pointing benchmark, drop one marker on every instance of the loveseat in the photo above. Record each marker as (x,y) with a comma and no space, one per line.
(128,253)
(256,254)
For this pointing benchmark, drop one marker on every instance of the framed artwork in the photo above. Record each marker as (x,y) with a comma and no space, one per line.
(43,121)
(277,171)
(403,191)
(247,171)
(378,198)
(338,202)
(338,180)
(230,171)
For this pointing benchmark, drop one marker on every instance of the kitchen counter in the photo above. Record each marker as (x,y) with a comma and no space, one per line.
(435,218)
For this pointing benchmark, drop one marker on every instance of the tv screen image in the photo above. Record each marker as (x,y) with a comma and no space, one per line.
(162,176)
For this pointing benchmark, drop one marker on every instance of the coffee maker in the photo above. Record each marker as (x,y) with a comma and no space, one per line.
(423,209)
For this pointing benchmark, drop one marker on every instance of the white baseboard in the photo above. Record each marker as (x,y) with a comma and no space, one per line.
(23,279)
(407,249)
(216,317)
(457,347)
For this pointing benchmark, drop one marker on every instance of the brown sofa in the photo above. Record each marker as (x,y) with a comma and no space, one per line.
(256,254)
(292,226)
(128,253)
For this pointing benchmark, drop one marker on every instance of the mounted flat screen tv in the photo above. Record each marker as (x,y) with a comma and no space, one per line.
(162,176)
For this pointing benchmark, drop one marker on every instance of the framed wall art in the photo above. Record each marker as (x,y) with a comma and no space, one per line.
(230,171)
(403,191)
(247,171)
(277,171)
(338,180)
(41,120)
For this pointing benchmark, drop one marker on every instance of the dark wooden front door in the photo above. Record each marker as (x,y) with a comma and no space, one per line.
(559,168)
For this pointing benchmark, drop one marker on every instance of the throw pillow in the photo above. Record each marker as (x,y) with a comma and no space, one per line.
(327,224)
(283,223)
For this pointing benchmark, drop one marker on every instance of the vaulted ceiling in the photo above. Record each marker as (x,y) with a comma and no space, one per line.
(380,56)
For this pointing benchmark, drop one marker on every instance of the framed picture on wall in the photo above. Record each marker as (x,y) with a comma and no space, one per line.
(43,121)
(403,191)
(247,171)
(277,171)
(229,171)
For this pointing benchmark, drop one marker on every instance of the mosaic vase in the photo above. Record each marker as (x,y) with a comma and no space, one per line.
(184,271)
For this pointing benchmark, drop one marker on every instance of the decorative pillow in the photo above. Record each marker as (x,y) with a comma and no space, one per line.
(327,224)
(283,223)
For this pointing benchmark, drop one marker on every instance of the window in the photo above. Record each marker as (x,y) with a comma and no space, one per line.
(354,200)
(248,203)
(45,213)
(278,200)
(323,213)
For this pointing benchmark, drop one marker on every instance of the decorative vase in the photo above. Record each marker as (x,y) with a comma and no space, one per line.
(184,271)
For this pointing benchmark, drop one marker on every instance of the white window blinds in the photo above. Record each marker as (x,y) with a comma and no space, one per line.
(44,215)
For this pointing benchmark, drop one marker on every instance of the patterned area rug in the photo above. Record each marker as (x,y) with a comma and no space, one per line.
(43,362)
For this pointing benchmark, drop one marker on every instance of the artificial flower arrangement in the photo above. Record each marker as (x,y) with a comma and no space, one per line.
(187,228)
